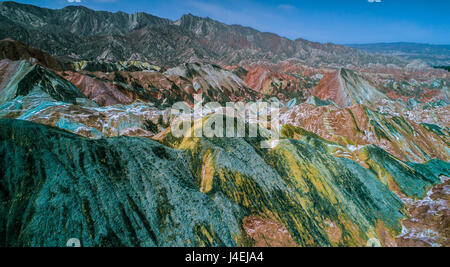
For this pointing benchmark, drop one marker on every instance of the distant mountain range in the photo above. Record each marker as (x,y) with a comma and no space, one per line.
(76,32)
(435,55)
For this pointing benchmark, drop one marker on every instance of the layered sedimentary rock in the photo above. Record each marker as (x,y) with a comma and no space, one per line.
(206,192)
(88,151)
(30,92)
(429,219)
(162,88)
(130,101)
(358,126)
(102,66)
(21,78)
(282,85)
(345,88)
(436,113)
(127,87)
(213,82)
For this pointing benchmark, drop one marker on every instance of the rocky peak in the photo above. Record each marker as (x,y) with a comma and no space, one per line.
(345,88)
(22,78)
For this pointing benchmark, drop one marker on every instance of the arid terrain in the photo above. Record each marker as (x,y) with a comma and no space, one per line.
(87,150)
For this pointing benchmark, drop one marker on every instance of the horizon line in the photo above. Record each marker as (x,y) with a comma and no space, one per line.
(234,24)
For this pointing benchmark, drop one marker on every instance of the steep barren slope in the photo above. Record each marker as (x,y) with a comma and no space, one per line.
(345,88)
(21,78)
(80,33)
(207,192)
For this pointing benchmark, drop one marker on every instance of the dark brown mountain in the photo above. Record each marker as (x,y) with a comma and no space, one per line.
(14,50)
(76,32)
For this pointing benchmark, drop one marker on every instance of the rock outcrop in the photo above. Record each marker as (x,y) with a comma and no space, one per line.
(345,88)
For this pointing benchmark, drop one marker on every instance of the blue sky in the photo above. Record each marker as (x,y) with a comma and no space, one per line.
(337,21)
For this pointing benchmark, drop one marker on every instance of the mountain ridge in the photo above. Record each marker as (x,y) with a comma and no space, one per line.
(76,32)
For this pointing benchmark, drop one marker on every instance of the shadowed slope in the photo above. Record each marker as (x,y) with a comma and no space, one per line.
(113,192)
(14,50)
(21,78)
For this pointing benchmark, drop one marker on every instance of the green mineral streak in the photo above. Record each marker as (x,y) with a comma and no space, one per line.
(440,103)
(412,179)
(299,184)
(29,77)
(313,100)
(432,169)
(136,192)
(114,191)
(37,109)
(436,129)
(336,189)
(70,126)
